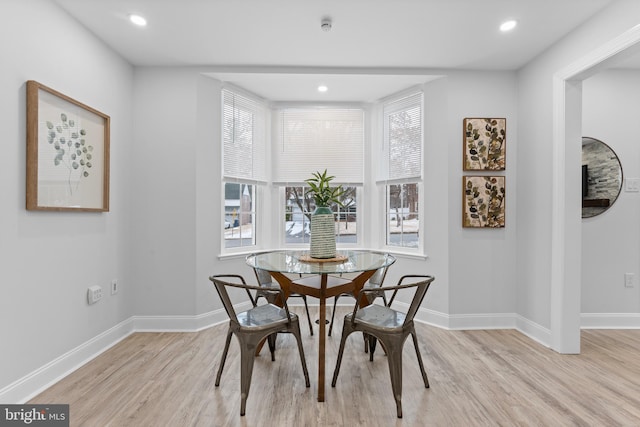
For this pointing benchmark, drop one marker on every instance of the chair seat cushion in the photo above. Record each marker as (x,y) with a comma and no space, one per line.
(266,314)
(378,316)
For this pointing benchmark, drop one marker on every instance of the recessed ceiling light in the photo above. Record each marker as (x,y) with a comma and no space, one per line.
(508,25)
(138,20)
(322,88)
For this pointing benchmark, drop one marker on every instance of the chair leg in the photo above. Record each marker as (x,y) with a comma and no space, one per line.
(394,357)
(372,346)
(424,373)
(306,307)
(346,330)
(333,313)
(224,357)
(247,356)
(271,339)
(296,333)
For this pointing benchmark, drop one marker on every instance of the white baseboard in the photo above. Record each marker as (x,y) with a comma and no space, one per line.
(30,385)
(534,331)
(25,388)
(485,321)
(610,321)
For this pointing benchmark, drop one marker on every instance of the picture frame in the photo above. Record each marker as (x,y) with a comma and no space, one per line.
(484,144)
(483,201)
(68,147)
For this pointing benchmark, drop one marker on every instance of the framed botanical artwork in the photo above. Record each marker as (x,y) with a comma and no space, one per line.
(485,142)
(483,201)
(67,153)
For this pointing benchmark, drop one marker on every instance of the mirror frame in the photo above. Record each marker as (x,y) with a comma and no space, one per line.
(597,206)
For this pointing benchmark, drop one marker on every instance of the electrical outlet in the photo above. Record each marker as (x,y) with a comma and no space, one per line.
(114,287)
(632,185)
(94,294)
(628,280)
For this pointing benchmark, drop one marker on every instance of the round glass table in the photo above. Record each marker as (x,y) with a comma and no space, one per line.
(323,280)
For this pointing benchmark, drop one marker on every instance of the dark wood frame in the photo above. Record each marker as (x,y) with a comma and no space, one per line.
(35,140)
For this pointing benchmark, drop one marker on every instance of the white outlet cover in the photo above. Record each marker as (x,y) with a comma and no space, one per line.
(632,185)
(94,294)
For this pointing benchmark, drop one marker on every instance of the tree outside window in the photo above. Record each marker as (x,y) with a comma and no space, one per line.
(299,206)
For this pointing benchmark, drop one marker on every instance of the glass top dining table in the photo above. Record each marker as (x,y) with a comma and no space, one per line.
(351,261)
(323,280)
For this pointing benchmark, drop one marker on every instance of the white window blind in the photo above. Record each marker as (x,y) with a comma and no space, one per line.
(403,138)
(315,139)
(243,137)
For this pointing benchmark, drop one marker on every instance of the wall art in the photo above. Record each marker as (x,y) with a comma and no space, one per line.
(67,153)
(483,201)
(485,142)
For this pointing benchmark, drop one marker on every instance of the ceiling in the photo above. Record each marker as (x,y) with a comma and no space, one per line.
(375,47)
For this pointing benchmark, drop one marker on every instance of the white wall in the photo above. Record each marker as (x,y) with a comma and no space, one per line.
(535,155)
(482,262)
(611,241)
(177,193)
(163,188)
(48,259)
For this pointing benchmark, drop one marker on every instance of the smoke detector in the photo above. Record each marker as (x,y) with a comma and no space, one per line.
(325,25)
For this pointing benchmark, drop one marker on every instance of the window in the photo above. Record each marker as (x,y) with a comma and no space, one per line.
(244,165)
(402,220)
(298,209)
(402,169)
(239,215)
(311,140)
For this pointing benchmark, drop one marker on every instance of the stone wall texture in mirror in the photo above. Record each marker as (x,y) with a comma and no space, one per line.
(601,177)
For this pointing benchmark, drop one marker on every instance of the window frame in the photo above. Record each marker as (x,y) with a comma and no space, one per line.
(259,183)
(384,181)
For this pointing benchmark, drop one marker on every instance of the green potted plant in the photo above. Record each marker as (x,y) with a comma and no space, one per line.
(323,233)
(323,194)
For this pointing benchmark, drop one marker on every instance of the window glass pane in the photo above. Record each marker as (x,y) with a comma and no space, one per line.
(402,215)
(299,206)
(346,224)
(239,215)
(405,134)
(297,215)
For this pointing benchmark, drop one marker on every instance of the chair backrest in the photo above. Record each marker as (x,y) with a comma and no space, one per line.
(221,287)
(263,276)
(422,284)
(378,277)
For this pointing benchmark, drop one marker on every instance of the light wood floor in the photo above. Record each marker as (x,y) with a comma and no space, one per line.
(478,378)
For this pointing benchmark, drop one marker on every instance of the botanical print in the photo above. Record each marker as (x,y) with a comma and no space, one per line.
(484,144)
(72,152)
(483,201)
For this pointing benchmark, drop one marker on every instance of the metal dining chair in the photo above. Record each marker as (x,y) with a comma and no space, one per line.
(265,280)
(253,326)
(390,327)
(374,282)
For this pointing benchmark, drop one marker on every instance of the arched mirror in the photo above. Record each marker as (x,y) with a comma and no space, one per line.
(601,177)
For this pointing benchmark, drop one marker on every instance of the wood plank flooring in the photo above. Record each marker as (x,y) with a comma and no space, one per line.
(478,378)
